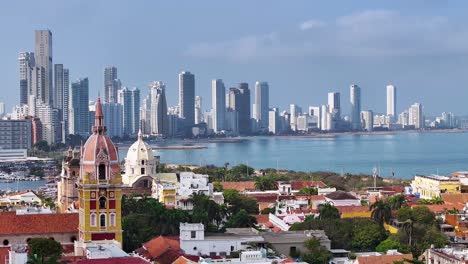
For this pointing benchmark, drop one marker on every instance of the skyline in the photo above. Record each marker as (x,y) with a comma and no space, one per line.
(307,76)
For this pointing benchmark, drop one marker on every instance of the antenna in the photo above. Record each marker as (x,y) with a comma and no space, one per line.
(374,175)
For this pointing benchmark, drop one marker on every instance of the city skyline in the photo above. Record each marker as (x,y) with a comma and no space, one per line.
(412,76)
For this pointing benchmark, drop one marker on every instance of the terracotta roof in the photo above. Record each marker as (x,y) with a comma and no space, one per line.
(340,195)
(317,198)
(305,211)
(451,199)
(264,197)
(398,189)
(440,208)
(183,260)
(11,223)
(297,185)
(158,245)
(239,186)
(352,209)
(120,260)
(262,219)
(384,259)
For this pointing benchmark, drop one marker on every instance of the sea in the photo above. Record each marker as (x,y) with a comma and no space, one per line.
(399,155)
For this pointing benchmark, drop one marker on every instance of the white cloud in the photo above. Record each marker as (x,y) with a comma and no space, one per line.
(311,24)
(369,33)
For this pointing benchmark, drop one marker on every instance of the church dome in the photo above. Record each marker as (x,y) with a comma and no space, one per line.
(140,162)
(99,150)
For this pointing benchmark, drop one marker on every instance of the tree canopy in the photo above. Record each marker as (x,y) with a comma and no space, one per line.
(44,251)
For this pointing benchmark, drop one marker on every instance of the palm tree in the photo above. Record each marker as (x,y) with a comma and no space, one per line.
(265,183)
(328,211)
(397,201)
(437,200)
(407,227)
(381,212)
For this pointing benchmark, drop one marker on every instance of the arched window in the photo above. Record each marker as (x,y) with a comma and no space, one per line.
(112,219)
(92,219)
(102,220)
(102,172)
(142,162)
(102,203)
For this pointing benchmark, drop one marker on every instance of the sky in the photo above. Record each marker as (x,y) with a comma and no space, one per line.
(303,49)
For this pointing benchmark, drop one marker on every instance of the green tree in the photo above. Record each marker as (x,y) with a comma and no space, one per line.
(397,201)
(328,211)
(237,201)
(218,187)
(389,244)
(241,219)
(367,237)
(437,200)
(381,212)
(42,146)
(239,172)
(44,251)
(264,183)
(307,190)
(317,253)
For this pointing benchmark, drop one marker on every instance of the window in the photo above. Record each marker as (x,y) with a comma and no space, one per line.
(232,248)
(102,172)
(92,219)
(133,171)
(102,203)
(142,162)
(73,239)
(142,171)
(145,183)
(102,220)
(112,219)
(193,234)
(6,242)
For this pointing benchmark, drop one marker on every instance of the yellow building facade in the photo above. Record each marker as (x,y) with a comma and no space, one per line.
(429,187)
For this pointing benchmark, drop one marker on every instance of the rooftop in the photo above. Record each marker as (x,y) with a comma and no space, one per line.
(43,223)
(340,195)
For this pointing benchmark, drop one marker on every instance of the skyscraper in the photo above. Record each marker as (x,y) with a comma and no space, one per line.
(242,106)
(355,100)
(367,120)
(111,84)
(273,123)
(61,99)
(391,101)
(159,121)
(187,99)
(26,67)
(198,110)
(43,59)
(415,116)
(79,110)
(295,111)
(218,104)
(130,101)
(261,105)
(334,106)
(114,119)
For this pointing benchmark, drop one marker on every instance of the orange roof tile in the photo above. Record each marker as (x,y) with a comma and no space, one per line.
(454,198)
(440,208)
(183,260)
(262,219)
(384,259)
(158,245)
(297,185)
(239,186)
(317,198)
(11,223)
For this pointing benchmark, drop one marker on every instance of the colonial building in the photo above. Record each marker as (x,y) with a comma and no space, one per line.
(141,167)
(191,183)
(428,187)
(99,188)
(67,193)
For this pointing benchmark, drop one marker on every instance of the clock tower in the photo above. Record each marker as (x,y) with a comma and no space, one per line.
(99,186)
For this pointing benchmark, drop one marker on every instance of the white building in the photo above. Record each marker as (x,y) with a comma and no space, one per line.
(326,121)
(194,242)
(334,105)
(295,111)
(416,117)
(198,110)
(191,183)
(141,166)
(261,105)
(367,119)
(273,122)
(391,101)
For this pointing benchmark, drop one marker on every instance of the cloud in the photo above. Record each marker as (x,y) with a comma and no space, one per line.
(311,24)
(370,33)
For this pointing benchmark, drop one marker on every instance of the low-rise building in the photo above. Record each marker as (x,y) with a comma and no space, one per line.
(342,198)
(428,187)
(448,255)
(189,184)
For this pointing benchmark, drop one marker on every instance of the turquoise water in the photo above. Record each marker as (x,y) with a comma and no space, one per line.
(404,153)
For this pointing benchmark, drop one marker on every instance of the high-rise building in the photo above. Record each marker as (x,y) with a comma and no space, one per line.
(315,115)
(295,111)
(2,109)
(15,134)
(218,101)
(111,84)
(326,121)
(242,106)
(391,101)
(198,110)
(415,116)
(232,121)
(61,99)
(115,118)
(273,122)
(43,59)
(403,119)
(355,100)
(334,105)
(79,110)
(49,116)
(130,100)
(158,117)
(26,67)
(261,106)
(367,120)
(187,100)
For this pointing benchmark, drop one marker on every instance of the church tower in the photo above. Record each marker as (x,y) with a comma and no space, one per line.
(99,186)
